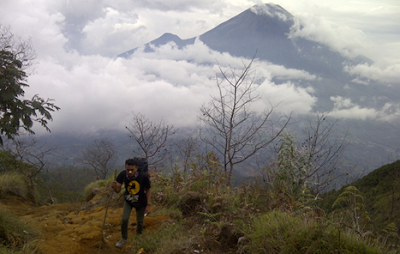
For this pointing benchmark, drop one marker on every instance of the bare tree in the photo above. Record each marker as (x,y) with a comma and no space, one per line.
(187,146)
(308,166)
(100,156)
(234,130)
(31,158)
(152,138)
(33,153)
(324,150)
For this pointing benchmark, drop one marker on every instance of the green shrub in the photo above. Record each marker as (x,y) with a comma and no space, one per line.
(278,232)
(164,190)
(91,189)
(172,211)
(14,184)
(168,239)
(13,233)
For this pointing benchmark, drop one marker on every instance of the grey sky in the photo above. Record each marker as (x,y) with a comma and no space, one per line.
(76,42)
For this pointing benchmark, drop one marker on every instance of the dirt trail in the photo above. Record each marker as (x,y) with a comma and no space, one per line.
(77,228)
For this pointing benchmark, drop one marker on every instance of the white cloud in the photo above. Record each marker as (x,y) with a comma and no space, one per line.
(388,75)
(345,108)
(287,98)
(106,35)
(73,38)
(30,20)
(99,93)
(347,41)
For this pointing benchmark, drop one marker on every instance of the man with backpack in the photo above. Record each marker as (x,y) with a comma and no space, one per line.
(137,195)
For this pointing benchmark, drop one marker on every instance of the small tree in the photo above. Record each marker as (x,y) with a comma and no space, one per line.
(324,150)
(100,156)
(306,167)
(292,168)
(233,130)
(187,146)
(152,138)
(16,112)
(352,202)
(27,157)
(33,153)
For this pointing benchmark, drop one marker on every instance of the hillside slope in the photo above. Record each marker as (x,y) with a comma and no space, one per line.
(76,228)
(381,192)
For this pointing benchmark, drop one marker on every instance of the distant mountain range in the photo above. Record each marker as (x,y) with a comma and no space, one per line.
(264,31)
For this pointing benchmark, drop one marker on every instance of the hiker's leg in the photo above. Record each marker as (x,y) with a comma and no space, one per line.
(125,220)
(140,219)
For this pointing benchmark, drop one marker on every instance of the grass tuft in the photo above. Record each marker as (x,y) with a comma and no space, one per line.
(14,235)
(13,183)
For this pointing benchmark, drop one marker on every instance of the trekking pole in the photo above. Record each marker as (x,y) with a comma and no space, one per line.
(105,215)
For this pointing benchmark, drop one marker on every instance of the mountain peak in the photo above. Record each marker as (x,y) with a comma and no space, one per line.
(265,29)
(272,10)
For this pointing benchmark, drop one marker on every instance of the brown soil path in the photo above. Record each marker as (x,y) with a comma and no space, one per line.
(77,228)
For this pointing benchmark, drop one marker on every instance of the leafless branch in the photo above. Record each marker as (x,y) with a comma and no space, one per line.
(235,131)
(152,138)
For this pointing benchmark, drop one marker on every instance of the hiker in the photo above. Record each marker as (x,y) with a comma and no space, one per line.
(137,195)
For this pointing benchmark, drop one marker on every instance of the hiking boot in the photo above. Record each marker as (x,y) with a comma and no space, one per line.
(120,243)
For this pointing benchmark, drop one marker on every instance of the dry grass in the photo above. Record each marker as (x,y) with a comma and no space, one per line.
(12,183)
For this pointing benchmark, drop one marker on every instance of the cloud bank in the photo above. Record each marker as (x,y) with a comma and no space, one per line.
(76,43)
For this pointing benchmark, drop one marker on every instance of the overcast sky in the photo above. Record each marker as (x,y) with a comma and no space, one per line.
(76,42)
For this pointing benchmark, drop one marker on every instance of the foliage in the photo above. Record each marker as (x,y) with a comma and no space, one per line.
(352,203)
(15,235)
(16,112)
(279,232)
(13,183)
(381,192)
(293,168)
(205,215)
(210,209)
(54,192)
(64,184)
(15,168)
(92,189)
(8,161)
(169,238)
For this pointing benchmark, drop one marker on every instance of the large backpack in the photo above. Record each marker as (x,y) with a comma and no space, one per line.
(142,164)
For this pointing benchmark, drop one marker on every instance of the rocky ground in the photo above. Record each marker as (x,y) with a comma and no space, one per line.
(77,228)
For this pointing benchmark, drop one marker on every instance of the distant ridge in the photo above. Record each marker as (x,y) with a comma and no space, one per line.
(265,29)
(380,190)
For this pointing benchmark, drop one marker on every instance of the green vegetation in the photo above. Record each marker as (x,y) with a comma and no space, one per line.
(15,237)
(209,217)
(278,212)
(93,188)
(279,232)
(206,215)
(18,113)
(375,195)
(13,183)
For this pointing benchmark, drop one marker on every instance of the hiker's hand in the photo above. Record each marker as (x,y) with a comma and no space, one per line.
(147,210)
(116,186)
(113,184)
